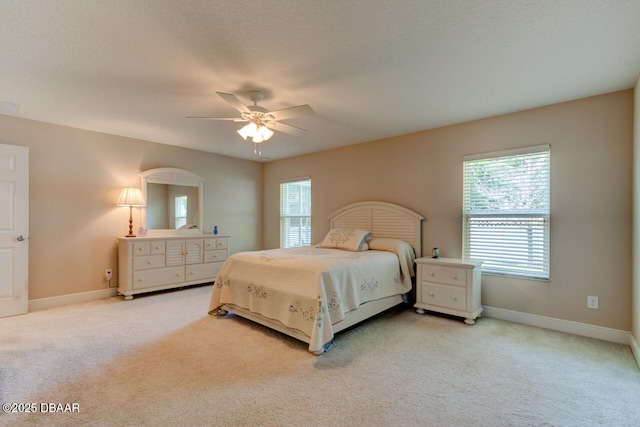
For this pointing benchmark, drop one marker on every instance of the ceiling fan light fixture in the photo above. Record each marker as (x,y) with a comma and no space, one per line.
(257,133)
(265,132)
(248,130)
(260,122)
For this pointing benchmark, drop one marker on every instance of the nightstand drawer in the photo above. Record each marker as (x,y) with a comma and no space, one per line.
(448,275)
(431,273)
(444,295)
(454,276)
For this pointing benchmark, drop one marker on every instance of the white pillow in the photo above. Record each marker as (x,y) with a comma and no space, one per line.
(405,252)
(349,239)
(392,245)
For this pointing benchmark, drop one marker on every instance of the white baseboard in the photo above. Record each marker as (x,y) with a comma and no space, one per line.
(635,348)
(44,303)
(577,328)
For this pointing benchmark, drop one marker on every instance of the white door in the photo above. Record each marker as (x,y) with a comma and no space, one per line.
(14,229)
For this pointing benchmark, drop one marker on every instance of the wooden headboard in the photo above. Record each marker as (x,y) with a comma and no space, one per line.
(383,220)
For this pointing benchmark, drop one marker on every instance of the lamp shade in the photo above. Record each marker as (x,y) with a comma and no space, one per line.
(131,196)
(256,133)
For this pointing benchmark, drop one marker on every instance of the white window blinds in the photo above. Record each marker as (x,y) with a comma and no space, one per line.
(295,213)
(506,209)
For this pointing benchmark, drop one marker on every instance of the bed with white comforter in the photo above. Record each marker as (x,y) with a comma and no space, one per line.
(312,288)
(363,266)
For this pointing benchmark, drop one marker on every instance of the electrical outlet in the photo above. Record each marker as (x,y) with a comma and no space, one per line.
(592,302)
(108,274)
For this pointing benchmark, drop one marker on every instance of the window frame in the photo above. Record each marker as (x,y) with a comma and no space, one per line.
(180,201)
(517,243)
(300,213)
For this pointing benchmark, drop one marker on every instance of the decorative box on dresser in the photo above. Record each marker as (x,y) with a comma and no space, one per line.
(148,264)
(449,285)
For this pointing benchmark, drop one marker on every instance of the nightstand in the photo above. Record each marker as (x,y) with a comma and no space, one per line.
(449,285)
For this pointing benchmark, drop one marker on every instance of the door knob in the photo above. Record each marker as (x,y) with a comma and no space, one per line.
(21,238)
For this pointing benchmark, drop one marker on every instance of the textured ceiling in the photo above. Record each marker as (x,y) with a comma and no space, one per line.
(370,69)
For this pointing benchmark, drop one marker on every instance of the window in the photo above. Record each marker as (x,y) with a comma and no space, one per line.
(181,211)
(506,211)
(295,213)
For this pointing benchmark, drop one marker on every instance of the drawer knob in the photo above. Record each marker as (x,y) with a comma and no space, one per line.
(431,274)
(454,298)
(454,277)
(148,262)
(431,294)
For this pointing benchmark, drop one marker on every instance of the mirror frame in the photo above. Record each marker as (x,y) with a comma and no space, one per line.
(172,176)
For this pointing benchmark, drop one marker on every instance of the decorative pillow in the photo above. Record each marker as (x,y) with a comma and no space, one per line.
(349,239)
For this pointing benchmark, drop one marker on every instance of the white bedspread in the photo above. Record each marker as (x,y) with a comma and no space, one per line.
(309,288)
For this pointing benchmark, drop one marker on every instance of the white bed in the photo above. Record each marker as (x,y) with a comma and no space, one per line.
(314,292)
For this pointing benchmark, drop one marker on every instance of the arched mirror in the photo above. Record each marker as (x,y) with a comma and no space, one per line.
(174,201)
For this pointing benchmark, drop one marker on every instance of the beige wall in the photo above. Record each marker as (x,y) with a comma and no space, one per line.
(75,179)
(591,177)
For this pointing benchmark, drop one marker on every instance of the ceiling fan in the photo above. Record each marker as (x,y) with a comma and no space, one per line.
(261,122)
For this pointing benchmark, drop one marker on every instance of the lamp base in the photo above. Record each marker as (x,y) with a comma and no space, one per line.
(130,223)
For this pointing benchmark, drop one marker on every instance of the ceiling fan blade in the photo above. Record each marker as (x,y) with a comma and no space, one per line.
(233,119)
(289,113)
(235,102)
(281,127)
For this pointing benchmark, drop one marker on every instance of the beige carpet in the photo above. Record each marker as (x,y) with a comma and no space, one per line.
(161,360)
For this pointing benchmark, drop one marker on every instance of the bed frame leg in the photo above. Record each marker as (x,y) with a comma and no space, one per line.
(324,349)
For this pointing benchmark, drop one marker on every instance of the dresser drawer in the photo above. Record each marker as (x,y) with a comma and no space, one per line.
(157,247)
(148,262)
(148,248)
(157,277)
(215,243)
(444,295)
(202,271)
(215,256)
(140,248)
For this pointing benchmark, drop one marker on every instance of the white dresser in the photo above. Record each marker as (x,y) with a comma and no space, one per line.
(148,264)
(449,285)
